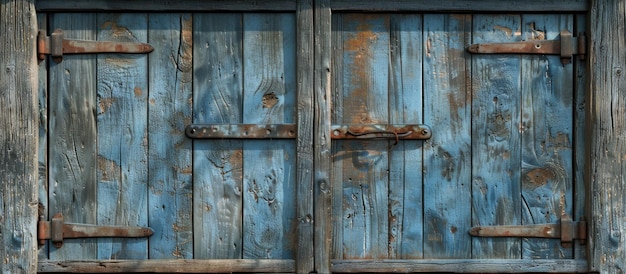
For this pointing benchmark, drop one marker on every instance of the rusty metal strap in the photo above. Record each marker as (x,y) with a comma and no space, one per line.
(241,131)
(382,131)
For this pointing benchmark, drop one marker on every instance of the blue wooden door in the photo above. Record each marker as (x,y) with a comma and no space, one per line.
(506,132)
(117,153)
(506,145)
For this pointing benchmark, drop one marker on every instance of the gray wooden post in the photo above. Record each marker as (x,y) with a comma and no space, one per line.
(18,137)
(606,170)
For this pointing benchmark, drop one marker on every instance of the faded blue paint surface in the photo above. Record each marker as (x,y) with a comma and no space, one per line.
(502,150)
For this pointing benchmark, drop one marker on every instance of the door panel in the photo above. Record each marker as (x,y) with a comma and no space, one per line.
(504,129)
(119,154)
(501,150)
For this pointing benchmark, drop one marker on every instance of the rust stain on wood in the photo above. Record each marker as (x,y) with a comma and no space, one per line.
(105,103)
(108,170)
(269,100)
(540,176)
(138,92)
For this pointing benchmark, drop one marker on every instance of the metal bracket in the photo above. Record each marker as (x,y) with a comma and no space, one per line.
(381,131)
(241,131)
(567,46)
(567,230)
(55,45)
(56,230)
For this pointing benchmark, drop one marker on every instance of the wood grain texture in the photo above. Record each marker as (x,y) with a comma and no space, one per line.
(580,138)
(321,140)
(169,6)
(169,266)
(72,136)
(19,138)
(304,168)
(546,126)
(269,165)
(364,179)
(496,141)
(405,107)
(459,266)
(42,153)
(218,166)
(606,126)
(461,6)
(122,162)
(447,155)
(169,150)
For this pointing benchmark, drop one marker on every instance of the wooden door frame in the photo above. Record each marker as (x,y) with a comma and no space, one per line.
(604,178)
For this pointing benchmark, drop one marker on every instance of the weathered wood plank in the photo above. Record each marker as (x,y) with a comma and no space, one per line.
(269,171)
(457,266)
(606,139)
(305,100)
(169,150)
(168,266)
(461,5)
(218,166)
(42,153)
(72,136)
(336,84)
(19,123)
(447,155)
(496,153)
(321,140)
(169,6)
(122,135)
(546,126)
(365,163)
(580,138)
(405,106)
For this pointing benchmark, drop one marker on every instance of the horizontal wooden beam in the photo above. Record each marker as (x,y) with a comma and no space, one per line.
(468,266)
(168,266)
(337,5)
(461,5)
(150,5)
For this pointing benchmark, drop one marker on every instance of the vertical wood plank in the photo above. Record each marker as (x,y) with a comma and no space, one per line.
(580,138)
(42,153)
(447,155)
(606,126)
(19,122)
(269,173)
(122,135)
(72,136)
(218,166)
(365,163)
(321,140)
(336,107)
(546,126)
(305,100)
(496,140)
(405,167)
(169,150)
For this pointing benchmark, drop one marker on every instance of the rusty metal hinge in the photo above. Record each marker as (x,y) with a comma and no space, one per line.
(567,46)
(56,230)
(567,230)
(55,45)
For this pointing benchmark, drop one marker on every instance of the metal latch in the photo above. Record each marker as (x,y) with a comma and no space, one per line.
(57,230)
(567,230)
(567,46)
(55,45)
(381,131)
